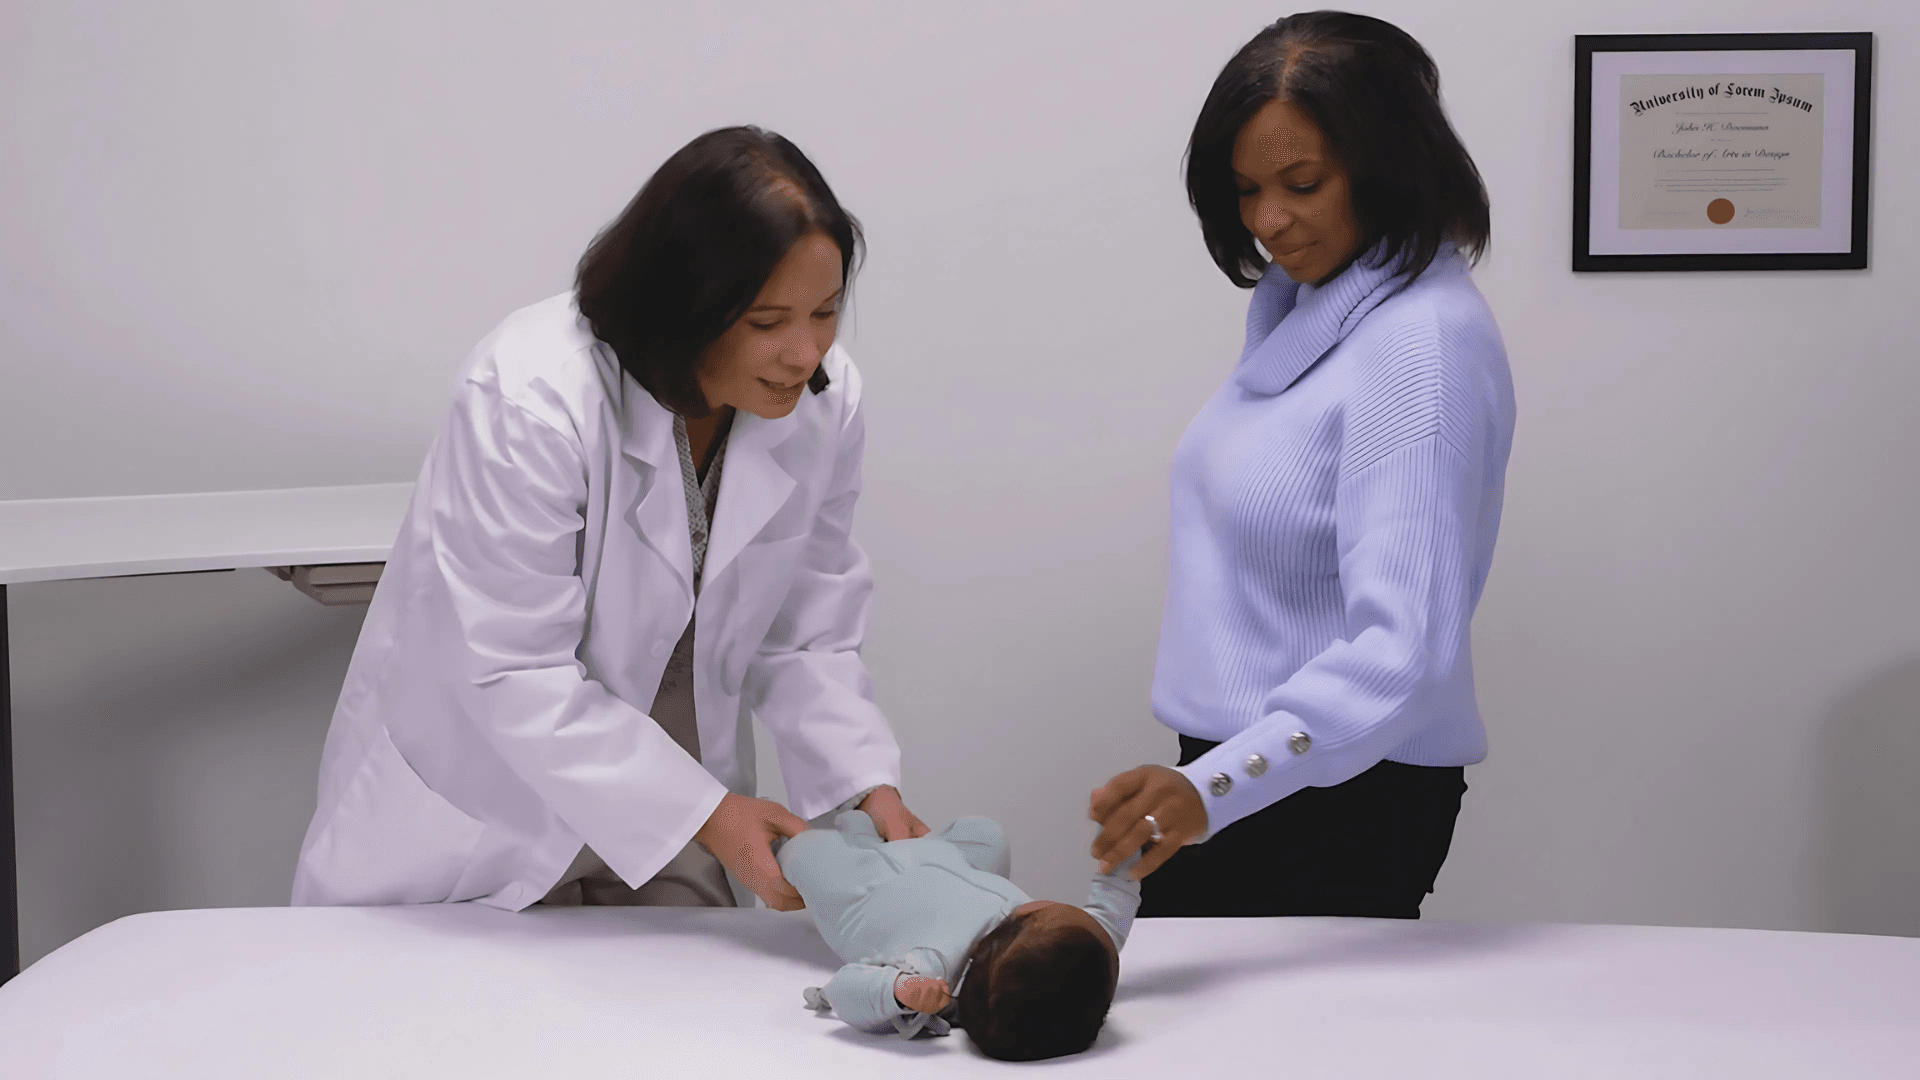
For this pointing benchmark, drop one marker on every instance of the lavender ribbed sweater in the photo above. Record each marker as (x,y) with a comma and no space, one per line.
(1334,512)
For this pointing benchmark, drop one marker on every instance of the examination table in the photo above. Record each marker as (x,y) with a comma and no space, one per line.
(463,991)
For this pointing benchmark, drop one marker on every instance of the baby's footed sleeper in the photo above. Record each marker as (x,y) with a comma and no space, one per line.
(916,907)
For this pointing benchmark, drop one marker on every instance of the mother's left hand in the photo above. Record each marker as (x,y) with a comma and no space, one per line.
(1121,807)
(890,816)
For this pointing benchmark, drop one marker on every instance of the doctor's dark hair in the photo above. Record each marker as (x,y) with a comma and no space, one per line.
(688,255)
(1029,1000)
(1374,93)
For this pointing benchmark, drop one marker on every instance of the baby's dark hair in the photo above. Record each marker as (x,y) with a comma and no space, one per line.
(1024,1000)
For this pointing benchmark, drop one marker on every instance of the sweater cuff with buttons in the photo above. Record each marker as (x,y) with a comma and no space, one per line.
(1253,770)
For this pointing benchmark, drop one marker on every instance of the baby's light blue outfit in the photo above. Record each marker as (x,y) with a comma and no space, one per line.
(918,907)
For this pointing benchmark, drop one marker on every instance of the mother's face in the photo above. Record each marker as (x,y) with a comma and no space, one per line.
(1294,197)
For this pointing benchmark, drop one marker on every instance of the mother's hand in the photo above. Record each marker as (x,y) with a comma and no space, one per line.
(1121,807)
(890,816)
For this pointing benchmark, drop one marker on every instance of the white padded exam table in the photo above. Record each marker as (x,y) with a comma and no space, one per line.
(462,991)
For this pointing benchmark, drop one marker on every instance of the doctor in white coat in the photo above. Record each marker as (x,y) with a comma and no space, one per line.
(670,453)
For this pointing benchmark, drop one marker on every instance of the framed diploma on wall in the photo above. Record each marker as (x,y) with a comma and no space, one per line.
(1721,151)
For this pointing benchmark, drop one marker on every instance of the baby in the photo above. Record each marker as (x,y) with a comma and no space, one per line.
(936,936)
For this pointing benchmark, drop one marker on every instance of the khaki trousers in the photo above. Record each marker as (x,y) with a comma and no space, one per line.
(692,878)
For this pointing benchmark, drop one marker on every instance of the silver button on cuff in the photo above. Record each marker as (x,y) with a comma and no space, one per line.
(1299,742)
(1221,783)
(1256,765)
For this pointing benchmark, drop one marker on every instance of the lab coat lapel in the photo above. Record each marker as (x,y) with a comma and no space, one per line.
(659,514)
(753,486)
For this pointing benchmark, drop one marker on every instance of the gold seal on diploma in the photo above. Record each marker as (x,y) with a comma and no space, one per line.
(1720,211)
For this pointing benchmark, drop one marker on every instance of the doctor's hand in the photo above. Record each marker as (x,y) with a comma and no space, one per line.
(1121,807)
(740,834)
(891,818)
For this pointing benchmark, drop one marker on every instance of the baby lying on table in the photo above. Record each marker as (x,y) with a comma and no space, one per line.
(936,936)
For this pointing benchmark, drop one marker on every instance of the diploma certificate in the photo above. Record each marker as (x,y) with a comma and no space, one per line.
(1721,151)
(1701,152)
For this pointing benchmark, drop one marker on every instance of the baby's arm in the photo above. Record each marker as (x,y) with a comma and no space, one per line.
(864,995)
(1114,898)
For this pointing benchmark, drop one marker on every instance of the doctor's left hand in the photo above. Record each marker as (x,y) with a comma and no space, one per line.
(891,818)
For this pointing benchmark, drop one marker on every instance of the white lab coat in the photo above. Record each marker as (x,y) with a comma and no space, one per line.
(493,716)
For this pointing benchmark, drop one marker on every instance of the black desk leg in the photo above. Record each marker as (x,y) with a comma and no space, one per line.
(9,885)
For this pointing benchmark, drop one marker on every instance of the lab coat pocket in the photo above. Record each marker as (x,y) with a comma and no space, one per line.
(392,839)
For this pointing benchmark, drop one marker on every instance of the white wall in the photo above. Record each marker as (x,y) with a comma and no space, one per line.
(245,245)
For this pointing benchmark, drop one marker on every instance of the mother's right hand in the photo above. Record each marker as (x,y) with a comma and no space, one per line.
(740,834)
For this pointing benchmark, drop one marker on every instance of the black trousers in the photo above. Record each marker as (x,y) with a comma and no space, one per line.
(1369,847)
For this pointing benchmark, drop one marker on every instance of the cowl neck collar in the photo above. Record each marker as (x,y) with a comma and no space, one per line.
(1284,340)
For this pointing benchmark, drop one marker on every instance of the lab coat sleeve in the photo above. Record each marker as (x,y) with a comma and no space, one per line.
(807,682)
(508,502)
(1406,528)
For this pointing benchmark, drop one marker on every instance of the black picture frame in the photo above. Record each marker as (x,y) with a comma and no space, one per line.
(1586,45)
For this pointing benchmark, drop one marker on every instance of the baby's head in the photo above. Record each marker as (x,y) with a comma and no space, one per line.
(1039,984)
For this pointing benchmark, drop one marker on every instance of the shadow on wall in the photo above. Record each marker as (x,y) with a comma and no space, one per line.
(1868,841)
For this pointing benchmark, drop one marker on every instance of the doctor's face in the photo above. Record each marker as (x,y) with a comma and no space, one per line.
(1294,197)
(762,362)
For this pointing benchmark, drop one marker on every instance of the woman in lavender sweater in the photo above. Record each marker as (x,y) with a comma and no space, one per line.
(1335,501)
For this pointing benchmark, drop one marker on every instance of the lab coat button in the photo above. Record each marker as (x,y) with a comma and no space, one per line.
(1221,783)
(1299,742)
(1256,765)
(660,648)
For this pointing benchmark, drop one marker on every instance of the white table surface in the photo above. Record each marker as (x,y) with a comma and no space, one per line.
(466,991)
(58,539)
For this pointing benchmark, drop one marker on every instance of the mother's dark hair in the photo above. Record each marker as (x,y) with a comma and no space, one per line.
(1374,93)
(688,255)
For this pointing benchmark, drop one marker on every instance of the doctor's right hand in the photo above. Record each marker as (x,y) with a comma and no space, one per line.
(740,834)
